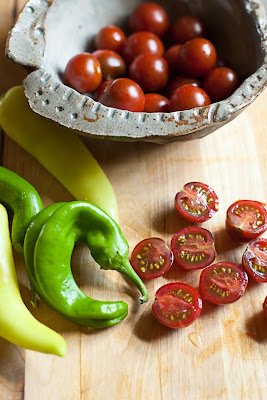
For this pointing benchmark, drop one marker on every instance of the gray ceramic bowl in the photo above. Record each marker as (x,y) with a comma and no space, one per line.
(48,33)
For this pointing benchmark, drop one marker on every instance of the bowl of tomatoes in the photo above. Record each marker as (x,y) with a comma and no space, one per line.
(141,71)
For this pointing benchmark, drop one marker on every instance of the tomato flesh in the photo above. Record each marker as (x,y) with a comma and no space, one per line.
(193,248)
(246,220)
(151,258)
(223,283)
(265,307)
(254,260)
(196,202)
(177,305)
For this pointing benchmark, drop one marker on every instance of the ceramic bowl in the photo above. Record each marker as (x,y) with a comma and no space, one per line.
(48,33)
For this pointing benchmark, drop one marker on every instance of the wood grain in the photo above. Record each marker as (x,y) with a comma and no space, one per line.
(223,354)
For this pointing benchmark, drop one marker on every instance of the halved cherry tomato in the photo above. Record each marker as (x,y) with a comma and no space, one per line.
(246,220)
(222,283)
(265,307)
(193,247)
(254,260)
(177,305)
(196,202)
(151,258)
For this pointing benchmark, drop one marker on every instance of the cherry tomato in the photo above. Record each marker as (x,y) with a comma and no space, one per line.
(171,56)
(196,202)
(187,28)
(193,247)
(220,83)
(110,37)
(150,17)
(187,97)
(112,64)
(265,307)
(179,81)
(246,220)
(150,71)
(197,57)
(124,94)
(177,305)
(139,43)
(102,88)
(156,103)
(254,260)
(151,258)
(83,73)
(222,283)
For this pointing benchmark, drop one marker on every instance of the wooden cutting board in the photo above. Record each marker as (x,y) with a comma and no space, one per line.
(223,354)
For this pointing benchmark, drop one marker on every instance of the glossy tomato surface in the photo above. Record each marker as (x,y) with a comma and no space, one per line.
(187,97)
(196,202)
(220,83)
(151,258)
(246,220)
(171,55)
(222,283)
(125,94)
(102,88)
(197,57)
(254,260)
(177,305)
(181,80)
(112,64)
(187,28)
(110,37)
(150,17)
(156,103)
(150,71)
(265,307)
(140,43)
(83,73)
(193,247)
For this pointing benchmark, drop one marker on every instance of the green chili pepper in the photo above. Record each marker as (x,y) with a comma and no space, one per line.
(59,150)
(21,197)
(17,324)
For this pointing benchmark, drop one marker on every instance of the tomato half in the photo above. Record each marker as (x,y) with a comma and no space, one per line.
(265,306)
(177,305)
(193,247)
(151,258)
(222,283)
(254,260)
(196,202)
(246,220)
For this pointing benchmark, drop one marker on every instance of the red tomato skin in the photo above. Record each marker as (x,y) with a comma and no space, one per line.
(102,88)
(209,293)
(124,94)
(187,97)
(156,103)
(188,216)
(150,71)
(197,57)
(220,83)
(149,17)
(112,64)
(110,37)
(140,43)
(196,307)
(178,81)
(247,261)
(265,307)
(171,55)
(209,253)
(83,73)
(156,250)
(187,28)
(243,236)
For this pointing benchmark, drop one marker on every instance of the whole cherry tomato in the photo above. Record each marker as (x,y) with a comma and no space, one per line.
(112,64)
(83,73)
(187,97)
(125,94)
(197,57)
(220,83)
(139,43)
(150,71)
(110,37)
(171,56)
(150,17)
(102,88)
(187,28)
(181,80)
(156,103)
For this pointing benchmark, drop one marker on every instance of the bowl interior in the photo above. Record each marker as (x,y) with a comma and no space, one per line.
(231,28)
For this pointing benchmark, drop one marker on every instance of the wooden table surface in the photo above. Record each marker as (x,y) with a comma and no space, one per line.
(223,354)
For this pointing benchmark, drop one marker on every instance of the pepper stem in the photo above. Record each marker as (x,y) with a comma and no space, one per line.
(127,270)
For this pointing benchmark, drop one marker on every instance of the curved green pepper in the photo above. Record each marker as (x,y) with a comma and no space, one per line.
(21,197)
